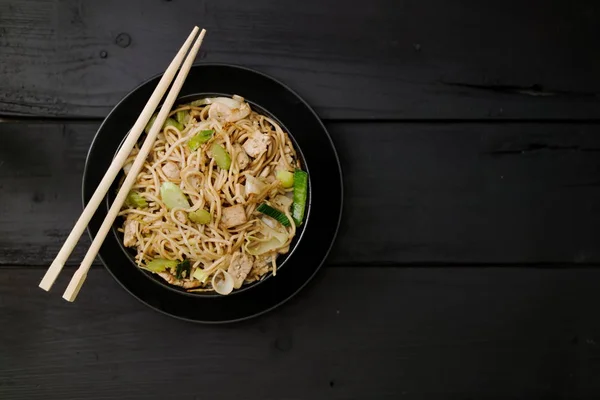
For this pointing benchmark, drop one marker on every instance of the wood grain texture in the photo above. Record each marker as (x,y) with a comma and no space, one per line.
(394,59)
(41,166)
(425,333)
(414,193)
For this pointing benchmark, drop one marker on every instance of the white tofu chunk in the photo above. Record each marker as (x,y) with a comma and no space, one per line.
(239,269)
(171,170)
(233,216)
(131,228)
(257,144)
(241,158)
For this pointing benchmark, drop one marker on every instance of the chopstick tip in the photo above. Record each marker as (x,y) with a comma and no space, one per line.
(77,280)
(51,275)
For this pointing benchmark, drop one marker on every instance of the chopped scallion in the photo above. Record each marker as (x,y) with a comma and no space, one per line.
(274,213)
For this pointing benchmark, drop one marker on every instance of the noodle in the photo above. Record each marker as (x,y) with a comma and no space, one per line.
(230,241)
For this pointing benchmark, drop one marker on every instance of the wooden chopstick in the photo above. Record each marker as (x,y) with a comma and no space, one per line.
(115,166)
(81,273)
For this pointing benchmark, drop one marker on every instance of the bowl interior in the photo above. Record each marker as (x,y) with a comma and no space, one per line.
(281,259)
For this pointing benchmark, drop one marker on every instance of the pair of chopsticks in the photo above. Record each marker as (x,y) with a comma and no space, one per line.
(116,165)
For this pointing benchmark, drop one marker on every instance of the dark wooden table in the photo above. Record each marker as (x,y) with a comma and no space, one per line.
(467,261)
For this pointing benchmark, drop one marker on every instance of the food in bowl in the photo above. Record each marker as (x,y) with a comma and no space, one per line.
(218,199)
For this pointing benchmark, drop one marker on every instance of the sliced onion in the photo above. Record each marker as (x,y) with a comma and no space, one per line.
(227,110)
(222,282)
(270,222)
(229,102)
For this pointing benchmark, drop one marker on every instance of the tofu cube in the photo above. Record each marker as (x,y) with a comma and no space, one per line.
(233,216)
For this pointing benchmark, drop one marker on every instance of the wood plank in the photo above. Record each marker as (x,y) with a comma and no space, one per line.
(414,193)
(393,59)
(420,333)
(41,166)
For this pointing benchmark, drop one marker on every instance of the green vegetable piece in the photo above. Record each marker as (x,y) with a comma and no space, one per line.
(200,275)
(199,103)
(173,123)
(286,178)
(221,156)
(273,213)
(173,196)
(182,116)
(150,123)
(168,122)
(201,217)
(183,269)
(134,199)
(161,265)
(199,139)
(300,195)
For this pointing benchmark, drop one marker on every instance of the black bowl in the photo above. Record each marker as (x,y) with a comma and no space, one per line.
(317,233)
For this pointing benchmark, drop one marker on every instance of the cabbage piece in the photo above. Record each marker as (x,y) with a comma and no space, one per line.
(273,239)
(253,185)
(173,196)
(282,202)
(160,265)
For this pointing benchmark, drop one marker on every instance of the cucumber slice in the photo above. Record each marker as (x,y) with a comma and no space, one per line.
(300,195)
(273,213)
